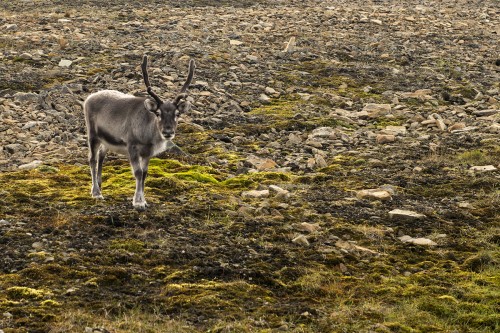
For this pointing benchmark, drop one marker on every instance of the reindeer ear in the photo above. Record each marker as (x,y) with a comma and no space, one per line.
(150,105)
(184,106)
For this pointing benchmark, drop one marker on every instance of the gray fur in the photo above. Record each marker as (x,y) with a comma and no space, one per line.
(134,126)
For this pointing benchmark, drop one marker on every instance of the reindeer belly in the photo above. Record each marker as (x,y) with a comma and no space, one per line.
(113,143)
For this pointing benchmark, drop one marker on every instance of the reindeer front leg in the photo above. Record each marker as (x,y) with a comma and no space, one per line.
(139,202)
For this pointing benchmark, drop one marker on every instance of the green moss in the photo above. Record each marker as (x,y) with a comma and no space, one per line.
(382,122)
(284,107)
(50,303)
(18,293)
(478,157)
(251,179)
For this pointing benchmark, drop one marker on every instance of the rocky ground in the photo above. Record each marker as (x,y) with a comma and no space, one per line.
(343,174)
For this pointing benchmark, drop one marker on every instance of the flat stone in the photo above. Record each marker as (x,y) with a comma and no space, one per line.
(294,139)
(456,127)
(263,98)
(290,46)
(323,132)
(417,241)
(4,223)
(252,58)
(385,138)
(406,215)
(37,245)
(301,240)
(424,94)
(309,227)
(374,194)
(375,110)
(441,125)
(255,194)
(29,166)
(65,63)
(261,164)
(270,91)
(26,97)
(483,168)
(351,247)
(485,113)
(10,27)
(396,130)
(279,192)
(235,42)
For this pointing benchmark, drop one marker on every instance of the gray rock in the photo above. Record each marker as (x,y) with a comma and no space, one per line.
(32,165)
(376,110)
(255,194)
(385,138)
(323,132)
(11,27)
(485,113)
(263,98)
(483,168)
(65,63)
(417,241)
(261,163)
(405,215)
(374,194)
(301,240)
(26,97)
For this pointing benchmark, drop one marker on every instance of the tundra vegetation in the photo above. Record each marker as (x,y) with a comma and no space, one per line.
(348,183)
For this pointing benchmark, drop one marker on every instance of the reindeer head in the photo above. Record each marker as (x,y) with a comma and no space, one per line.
(168,112)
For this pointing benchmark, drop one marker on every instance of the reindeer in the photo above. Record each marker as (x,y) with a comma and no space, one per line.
(138,127)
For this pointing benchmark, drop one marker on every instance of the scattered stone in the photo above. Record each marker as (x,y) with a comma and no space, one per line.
(351,247)
(65,63)
(270,91)
(257,194)
(29,166)
(456,127)
(320,161)
(252,58)
(417,241)
(10,27)
(323,132)
(279,192)
(263,98)
(440,124)
(4,223)
(485,113)
(261,164)
(294,139)
(377,110)
(405,215)
(385,138)
(7,315)
(395,130)
(37,245)
(301,240)
(290,46)
(26,97)
(235,42)
(374,194)
(483,168)
(309,227)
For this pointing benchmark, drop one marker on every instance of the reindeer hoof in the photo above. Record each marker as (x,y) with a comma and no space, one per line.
(98,196)
(140,206)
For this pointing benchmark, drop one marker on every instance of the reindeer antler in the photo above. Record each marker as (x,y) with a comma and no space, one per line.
(191,69)
(144,67)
